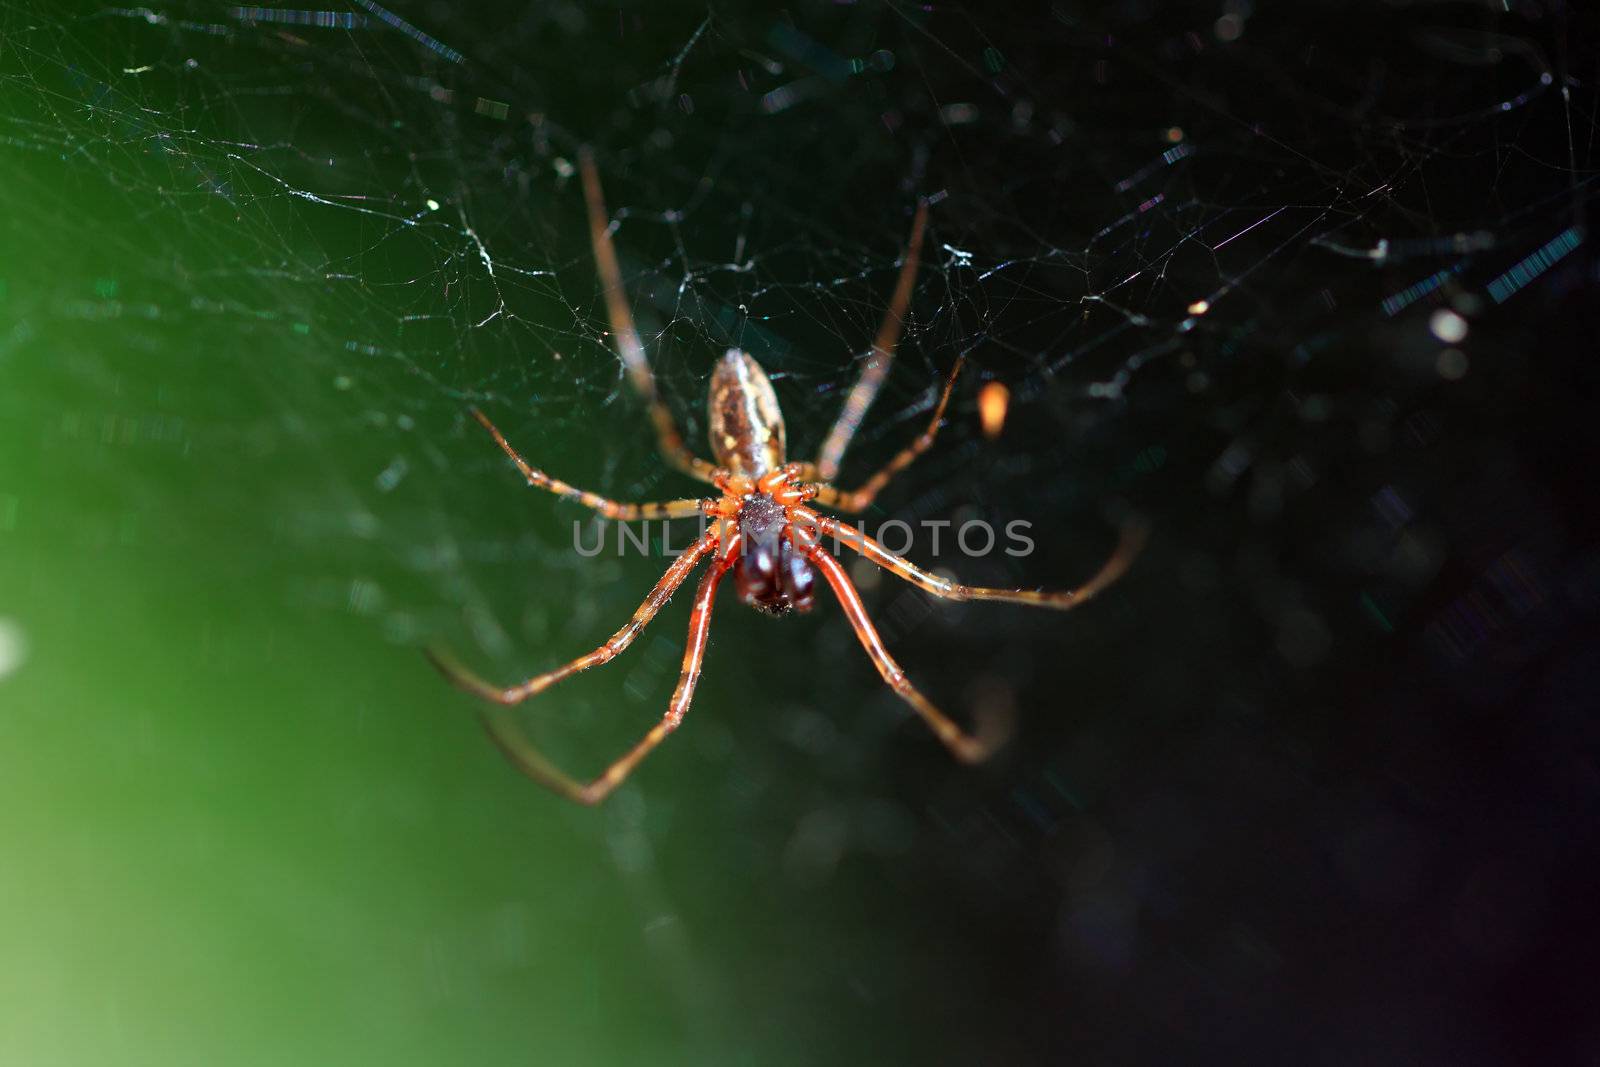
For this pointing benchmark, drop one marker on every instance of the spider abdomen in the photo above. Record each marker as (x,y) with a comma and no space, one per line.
(746,426)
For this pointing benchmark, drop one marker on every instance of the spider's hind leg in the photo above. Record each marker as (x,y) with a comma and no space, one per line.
(625,335)
(857,500)
(865,391)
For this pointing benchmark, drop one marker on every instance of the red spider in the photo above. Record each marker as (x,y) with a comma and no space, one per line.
(763,530)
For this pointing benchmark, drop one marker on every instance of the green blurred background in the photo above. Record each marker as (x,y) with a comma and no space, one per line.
(1286,788)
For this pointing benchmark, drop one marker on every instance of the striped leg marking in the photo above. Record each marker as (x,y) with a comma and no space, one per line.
(966,747)
(611,509)
(880,359)
(1133,538)
(624,334)
(857,501)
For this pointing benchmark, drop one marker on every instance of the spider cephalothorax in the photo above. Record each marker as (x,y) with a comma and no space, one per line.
(771,573)
(761,526)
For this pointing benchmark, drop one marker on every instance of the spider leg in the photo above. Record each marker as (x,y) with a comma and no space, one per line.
(626,336)
(532,763)
(681,568)
(968,748)
(878,362)
(611,509)
(1133,538)
(857,501)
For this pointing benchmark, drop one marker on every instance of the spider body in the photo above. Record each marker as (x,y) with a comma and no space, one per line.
(762,528)
(748,439)
(747,435)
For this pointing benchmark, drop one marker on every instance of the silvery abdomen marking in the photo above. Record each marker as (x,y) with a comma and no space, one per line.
(746,425)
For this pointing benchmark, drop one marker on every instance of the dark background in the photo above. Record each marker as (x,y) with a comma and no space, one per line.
(1317,781)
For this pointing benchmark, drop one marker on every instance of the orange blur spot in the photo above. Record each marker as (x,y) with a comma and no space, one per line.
(993,400)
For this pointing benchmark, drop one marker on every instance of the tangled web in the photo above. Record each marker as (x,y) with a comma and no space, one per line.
(1135,221)
(1235,274)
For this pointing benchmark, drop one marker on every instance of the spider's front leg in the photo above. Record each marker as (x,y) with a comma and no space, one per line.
(682,696)
(969,748)
(526,757)
(681,568)
(1128,548)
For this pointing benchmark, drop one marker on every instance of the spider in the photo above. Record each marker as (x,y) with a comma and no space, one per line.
(764,528)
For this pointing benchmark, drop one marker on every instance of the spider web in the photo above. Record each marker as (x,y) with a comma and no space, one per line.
(1224,267)
(413,213)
